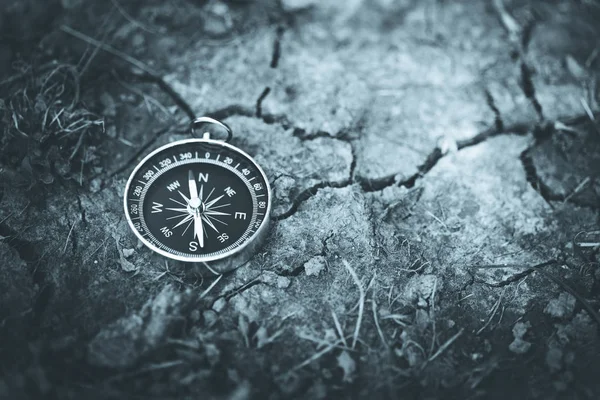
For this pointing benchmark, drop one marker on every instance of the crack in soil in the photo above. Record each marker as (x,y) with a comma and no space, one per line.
(529,89)
(179,101)
(259,101)
(313,190)
(277,47)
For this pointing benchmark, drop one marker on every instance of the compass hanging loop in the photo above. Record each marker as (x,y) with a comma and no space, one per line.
(207,120)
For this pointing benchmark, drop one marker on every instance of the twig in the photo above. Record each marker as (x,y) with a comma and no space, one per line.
(314,357)
(494,310)
(578,189)
(432,314)
(446,345)
(131,19)
(109,49)
(210,269)
(338,327)
(587,109)
(361,304)
(377,323)
(69,235)
(212,285)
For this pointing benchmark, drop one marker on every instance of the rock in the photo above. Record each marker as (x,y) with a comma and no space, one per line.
(347,364)
(315,265)
(126,340)
(561,307)
(519,345)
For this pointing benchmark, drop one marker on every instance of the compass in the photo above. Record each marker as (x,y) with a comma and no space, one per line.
(199,200)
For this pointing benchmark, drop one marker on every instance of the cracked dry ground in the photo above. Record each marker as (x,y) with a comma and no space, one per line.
(435,169)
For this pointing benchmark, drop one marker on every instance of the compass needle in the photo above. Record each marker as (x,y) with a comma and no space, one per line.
(178,202)
(183,210)
(177,216)
(208,205)
(221,206)
(192,185)
(198,229)
(217,219)
(199,200)
(187,227)
(183,195)
(211,212)
(209,223)
(209,194)
(183,221)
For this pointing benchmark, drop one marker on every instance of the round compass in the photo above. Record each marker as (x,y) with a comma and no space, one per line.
(199,200)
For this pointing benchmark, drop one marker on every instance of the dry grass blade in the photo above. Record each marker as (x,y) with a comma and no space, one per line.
(109,49)
(338,327)
(494,311)
(361,302)
(212,285)
(539,267)
(445,346)
(314,357)
(379,331)
(129,18)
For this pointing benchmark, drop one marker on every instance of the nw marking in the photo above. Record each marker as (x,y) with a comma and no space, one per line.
(173,186)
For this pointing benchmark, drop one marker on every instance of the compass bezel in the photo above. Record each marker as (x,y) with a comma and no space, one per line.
(238,254)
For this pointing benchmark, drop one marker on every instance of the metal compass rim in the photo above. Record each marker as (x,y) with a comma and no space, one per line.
(253,240)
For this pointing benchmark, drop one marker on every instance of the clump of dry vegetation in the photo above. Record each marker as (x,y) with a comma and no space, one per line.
(46,129)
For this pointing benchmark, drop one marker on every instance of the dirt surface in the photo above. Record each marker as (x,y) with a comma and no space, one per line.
(436,177)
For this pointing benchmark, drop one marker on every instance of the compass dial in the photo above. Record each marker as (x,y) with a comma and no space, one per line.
(197,200)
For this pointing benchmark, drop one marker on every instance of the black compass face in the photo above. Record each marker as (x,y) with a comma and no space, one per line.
(197,200)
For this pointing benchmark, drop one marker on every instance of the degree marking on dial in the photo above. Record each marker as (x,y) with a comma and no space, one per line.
(218,156)
(238,164)
(143,183)
(251,179)
(156,168)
